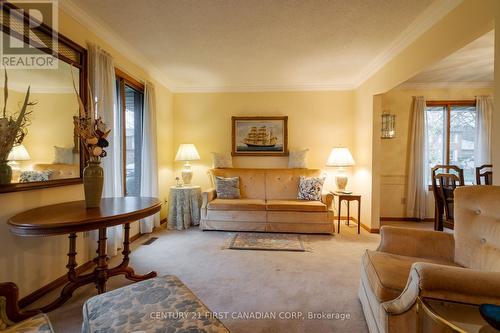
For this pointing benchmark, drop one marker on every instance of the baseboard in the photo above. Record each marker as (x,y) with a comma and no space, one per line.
(135,237)
(62,280)
(59,282)
(364,226)
(370,230)
(406,219)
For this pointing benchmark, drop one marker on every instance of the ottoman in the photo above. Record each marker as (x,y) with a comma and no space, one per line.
(162,304)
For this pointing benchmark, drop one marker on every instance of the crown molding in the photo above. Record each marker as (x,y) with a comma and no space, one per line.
(424,21)
(114,40)
(445,85)
(263,88)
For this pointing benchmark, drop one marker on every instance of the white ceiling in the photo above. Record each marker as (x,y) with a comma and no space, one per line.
(474,63)
(203,45)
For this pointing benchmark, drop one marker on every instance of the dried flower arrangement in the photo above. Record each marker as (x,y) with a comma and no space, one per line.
(92,132)
(13,128)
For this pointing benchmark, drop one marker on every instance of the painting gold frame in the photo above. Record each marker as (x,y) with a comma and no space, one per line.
(278,146)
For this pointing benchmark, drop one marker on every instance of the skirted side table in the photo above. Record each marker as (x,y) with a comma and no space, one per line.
(184,207)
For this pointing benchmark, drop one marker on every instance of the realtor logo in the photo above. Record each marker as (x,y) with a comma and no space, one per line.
(22,46)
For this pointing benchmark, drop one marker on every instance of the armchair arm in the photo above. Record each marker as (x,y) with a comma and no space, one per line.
(9,308)
(417,243)
(208,196)
(456,284)
(327,199)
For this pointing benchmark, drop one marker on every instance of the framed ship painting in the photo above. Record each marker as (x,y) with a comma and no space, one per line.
(259,136)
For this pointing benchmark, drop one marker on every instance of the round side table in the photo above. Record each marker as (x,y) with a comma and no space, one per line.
(184,207)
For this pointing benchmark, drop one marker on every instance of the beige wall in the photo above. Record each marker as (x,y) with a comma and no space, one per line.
(470,20)
(33,262)
(316,120)
(496,116)
(394,152)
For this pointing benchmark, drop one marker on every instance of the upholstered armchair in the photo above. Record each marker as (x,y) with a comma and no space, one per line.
(462,267)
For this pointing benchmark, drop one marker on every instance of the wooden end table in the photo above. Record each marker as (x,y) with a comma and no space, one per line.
(73,217)
(348,197)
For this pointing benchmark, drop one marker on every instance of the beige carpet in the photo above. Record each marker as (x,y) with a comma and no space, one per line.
(322,281)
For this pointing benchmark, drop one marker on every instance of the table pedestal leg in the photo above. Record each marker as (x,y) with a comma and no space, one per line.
(102,263)
(101,272)
(124,268)
(74,280)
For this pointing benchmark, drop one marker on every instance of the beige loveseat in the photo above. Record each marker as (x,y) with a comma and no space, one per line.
(462,267)
(268,203)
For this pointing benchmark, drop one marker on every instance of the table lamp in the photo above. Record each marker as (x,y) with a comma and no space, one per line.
(187,152)
(17,153)
(341,158)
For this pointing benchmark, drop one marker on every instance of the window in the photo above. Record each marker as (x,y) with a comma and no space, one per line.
(130,97)
(451,135)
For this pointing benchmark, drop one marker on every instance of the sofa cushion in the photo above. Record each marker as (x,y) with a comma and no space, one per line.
(284,183)
(310,188)
(388,273)
(252,181)
(227,188)
(296,205)
(237,204)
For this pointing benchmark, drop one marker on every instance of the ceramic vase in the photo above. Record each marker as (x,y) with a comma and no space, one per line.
(93,179)
(5,173)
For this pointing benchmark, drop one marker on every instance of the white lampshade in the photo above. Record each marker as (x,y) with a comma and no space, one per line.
(187,152)
(340,157)
(18,153)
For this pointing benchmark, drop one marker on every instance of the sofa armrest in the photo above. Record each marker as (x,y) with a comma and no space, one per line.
(450,283)
(208,196)
(417,243)
(327,199)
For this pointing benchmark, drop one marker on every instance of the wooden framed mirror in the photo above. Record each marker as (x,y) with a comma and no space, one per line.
(50,153)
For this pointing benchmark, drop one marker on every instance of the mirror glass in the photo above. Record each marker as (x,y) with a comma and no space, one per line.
(49,150)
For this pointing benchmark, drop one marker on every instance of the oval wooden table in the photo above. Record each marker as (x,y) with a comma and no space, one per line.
(73,217)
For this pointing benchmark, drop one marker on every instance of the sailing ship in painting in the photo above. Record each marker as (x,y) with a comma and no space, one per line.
(261,137)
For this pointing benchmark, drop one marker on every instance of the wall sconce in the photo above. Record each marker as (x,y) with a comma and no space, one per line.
(388,125)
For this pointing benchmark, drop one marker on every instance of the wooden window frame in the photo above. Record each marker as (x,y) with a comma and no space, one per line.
(448,105)
(125,79)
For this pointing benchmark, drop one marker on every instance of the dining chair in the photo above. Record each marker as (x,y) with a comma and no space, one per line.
(484,174)
(445,178)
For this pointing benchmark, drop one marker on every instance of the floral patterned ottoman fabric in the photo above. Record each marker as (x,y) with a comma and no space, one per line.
(159,305)
(310,188)
(37,324)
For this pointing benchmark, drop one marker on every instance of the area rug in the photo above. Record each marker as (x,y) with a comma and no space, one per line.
(266,242)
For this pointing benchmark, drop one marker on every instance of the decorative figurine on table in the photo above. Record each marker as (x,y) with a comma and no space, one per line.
(178,182)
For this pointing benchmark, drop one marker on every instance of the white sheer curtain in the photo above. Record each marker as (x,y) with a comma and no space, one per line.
(103,86)
(416,205)
(484,111)
(149,158)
